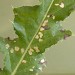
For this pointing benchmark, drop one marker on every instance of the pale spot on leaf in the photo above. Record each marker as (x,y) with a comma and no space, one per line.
(33,67)
(40,34)
(30,52)
(12,50)
(46,27)
(17,48)
(37,49)
(36,37)
(7,46)
(31,70)
(40,40)
(24,61)
(2,69)
(14,41)
(35,59)
(42,29)
(61,5)
(36,73)
(48,16)
(22,50)
(46,21)
(43,24)
(53,17)
(40,68)
(42,61)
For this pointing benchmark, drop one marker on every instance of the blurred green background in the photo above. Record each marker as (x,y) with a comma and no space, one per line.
(60,57)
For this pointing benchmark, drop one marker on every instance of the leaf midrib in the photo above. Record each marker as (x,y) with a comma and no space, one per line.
(14,72)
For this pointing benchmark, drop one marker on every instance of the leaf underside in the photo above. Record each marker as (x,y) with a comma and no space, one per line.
(38,27)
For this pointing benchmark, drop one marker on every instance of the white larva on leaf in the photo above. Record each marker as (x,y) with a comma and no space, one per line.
(17,48)
(61,5)
(12,50)
(24,61)
(56,4)
(7,46)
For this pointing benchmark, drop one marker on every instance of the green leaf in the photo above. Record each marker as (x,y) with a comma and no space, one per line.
(38,27)
(62,10)
(28,64)
(4,50)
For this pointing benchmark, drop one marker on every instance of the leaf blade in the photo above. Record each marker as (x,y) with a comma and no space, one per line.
(27,23)
(31,41)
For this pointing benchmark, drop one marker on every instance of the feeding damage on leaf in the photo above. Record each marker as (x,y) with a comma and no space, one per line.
(61,5)
(38,27)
